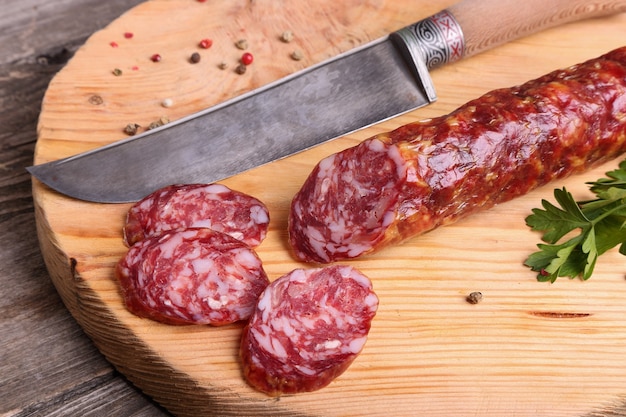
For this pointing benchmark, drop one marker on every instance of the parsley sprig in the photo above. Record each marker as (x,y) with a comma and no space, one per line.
(601,223)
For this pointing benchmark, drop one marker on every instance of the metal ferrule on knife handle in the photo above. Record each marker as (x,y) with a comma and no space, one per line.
(437,40)
(430,43)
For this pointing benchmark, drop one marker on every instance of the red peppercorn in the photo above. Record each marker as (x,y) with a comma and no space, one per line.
(206,43)
(155,58)
(247,58)
(114,44)
(128,35)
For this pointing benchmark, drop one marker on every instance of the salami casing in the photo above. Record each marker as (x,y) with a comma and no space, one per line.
(400,184)
(308,327)
(194,276)
(214,206)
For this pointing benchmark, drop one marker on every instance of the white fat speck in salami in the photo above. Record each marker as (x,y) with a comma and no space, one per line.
(307,328)
(213,206)
(193,276)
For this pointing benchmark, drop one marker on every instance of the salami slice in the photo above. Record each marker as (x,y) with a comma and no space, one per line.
(213,206)
(308,327)
(400,184)
(194,276)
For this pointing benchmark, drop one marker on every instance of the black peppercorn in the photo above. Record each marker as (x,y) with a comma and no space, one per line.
(195,58)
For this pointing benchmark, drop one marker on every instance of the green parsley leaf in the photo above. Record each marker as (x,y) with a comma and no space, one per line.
(557,222)
(596,226)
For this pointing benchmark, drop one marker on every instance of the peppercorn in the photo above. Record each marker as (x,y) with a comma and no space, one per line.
(286,36)
(222,65)
(117,72)
(241,69)
(241,44)
(247,58)
(474,297)
(297,55)
(155,58)
(206,43)
(195,58)
(158,123)
(131,129)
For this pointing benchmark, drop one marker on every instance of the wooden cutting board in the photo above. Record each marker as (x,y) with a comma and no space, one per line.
(527,349)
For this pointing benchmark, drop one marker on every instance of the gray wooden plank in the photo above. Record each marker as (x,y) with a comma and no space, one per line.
(48,366)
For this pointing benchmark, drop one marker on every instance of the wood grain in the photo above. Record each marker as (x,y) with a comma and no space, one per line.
(527,347)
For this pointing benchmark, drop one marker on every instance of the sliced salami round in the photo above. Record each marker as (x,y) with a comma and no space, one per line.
(212,206)
(308,327)
(194,276)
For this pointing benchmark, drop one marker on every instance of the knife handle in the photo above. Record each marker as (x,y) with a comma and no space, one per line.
(489,23)
(473,26)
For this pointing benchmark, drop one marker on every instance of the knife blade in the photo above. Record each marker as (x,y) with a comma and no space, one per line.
(361,87)
(248,131)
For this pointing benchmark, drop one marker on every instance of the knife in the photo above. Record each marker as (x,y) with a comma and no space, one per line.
(363,86)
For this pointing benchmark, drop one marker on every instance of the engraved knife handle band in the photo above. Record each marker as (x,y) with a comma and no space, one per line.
(428,44)
(438,39)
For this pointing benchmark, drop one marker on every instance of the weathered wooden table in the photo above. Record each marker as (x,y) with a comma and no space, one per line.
(48,366)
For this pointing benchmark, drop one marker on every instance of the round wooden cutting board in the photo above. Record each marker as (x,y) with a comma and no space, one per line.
(527,349)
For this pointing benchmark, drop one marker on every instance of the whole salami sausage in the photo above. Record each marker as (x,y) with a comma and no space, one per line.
(193,276)
(308,327)
(422,175)
(182,206)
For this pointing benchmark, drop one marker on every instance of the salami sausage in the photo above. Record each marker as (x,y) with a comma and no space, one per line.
(403,183)
(182,206)
(193,276)
(308,327)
